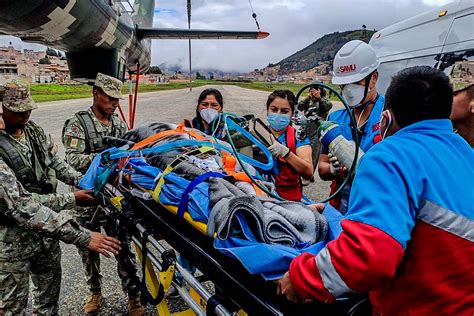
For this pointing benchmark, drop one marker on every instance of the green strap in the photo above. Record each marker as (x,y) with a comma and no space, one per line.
(15,161)
(93,138)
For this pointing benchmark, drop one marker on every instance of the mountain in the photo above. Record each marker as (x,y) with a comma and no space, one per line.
(322,51)
(173,68)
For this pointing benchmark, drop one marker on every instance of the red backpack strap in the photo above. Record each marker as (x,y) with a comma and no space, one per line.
(291,138)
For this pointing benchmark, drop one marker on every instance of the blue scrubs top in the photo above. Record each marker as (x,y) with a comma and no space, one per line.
(371,130)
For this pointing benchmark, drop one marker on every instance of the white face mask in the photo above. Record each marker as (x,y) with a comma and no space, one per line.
(353,94)
(209,115)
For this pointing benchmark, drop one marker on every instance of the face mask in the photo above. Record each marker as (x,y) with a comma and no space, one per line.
(209,115)
(353,94)
(384,134)
(278,121)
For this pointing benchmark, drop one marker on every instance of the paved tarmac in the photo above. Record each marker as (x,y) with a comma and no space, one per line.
(164,106)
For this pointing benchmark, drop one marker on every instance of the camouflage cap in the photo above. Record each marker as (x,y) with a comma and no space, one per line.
(15,96)
(461,75)
(110,85)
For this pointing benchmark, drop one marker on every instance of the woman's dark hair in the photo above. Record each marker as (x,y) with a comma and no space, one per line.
(210,91)
(419,93)
(322,91)
(284,94)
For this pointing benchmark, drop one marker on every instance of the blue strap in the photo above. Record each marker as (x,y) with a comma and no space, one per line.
(231,124)
(185,198)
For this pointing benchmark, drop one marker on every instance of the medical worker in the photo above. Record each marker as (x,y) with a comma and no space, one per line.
(293,155)
(210,104)
(408,237)
(355,70)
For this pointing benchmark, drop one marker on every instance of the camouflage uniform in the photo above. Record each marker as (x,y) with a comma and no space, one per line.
(37,168)
(82,138)
(23,223)
(322,107)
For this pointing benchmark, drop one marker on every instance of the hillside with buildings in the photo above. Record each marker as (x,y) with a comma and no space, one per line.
(34,66)
(313,62)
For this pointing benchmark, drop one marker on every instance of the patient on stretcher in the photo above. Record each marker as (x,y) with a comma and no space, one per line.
(198,178)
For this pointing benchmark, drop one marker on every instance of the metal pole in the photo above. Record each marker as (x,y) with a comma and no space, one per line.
(189,47)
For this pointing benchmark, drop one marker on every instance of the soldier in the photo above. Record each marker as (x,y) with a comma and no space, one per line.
(462,114)
(29,152)
(316,100)
(82,138)
(314,106)
(23,223)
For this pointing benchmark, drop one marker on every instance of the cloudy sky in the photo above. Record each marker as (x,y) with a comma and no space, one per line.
(293,24)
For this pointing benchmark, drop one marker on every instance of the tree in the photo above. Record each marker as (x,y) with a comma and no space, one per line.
(154,70)
(52,52)
(45,60)
(199,76)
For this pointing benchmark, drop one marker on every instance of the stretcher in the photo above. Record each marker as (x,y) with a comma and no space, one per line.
(237,291)
(140,214)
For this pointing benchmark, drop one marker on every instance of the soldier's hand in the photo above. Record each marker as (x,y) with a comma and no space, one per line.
(85,198)
(104,244)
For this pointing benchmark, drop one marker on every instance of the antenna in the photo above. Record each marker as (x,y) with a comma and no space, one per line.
(254,15)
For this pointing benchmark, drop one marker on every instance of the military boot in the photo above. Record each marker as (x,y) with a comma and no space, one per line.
(93,303)
(135,307)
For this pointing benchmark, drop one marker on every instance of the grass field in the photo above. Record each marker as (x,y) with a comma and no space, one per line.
(271,86)
(55,92)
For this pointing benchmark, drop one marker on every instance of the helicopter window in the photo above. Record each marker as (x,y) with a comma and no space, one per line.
(461,30)
(386,71)
(422,61)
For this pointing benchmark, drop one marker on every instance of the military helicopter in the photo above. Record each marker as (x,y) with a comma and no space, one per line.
(108,36)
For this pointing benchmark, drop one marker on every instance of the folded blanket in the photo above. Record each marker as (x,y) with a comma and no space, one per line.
(267,220)
(272,261)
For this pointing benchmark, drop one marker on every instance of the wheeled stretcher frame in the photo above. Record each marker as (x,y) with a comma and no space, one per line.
(237,291)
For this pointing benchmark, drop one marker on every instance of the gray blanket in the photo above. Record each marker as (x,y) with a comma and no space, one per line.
(271,221)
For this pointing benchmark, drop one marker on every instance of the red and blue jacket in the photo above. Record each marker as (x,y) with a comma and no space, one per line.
(408,237)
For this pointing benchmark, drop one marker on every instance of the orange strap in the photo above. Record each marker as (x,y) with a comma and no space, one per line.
(230,163)
(153,138)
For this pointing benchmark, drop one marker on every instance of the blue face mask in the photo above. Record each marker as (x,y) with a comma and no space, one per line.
(278,121)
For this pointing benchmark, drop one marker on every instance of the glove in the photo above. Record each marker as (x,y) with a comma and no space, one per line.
(334,165)
(278,150)
(325,126)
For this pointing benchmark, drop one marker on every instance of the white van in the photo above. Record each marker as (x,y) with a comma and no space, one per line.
(441,38)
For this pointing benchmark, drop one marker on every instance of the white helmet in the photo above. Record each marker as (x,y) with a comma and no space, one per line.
(353,62)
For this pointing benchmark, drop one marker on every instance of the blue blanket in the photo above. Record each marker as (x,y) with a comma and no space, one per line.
(272,261)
